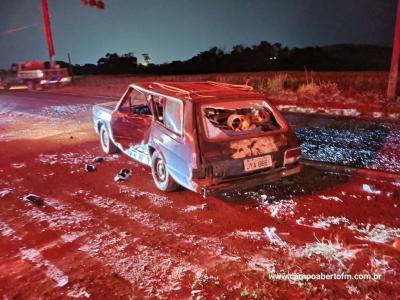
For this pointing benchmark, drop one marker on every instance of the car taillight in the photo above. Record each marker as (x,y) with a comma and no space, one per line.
(291,156)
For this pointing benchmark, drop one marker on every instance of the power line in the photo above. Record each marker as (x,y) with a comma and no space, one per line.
(17,29)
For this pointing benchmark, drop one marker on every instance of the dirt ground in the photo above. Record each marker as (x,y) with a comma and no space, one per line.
(96,238)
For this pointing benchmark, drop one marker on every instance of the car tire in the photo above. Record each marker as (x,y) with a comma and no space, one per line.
(161,176)
(31,85)
(106,143)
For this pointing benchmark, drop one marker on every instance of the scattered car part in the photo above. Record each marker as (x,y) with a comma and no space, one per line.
(273,237)
(35,199)
(98,159)
(90,168)
(123,174)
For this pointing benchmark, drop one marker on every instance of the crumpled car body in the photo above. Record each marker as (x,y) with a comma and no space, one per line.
(207,137)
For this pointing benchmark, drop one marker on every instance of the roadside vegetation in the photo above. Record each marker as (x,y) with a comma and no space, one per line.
(271,83)
(340,93)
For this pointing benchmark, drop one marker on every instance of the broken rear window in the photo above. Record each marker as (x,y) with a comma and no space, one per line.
(173,115)
(238,118)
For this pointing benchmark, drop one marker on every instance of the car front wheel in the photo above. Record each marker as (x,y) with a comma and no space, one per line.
(161,176)
(106,143)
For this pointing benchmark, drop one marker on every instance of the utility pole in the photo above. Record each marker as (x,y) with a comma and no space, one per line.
(394,69)
(47,26)
(49,37)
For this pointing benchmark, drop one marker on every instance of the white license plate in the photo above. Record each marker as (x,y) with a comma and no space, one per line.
(261,162)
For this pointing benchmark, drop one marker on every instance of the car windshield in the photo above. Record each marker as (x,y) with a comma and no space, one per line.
(230,119)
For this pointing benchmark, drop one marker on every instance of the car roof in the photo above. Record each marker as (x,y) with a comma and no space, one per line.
(202,91)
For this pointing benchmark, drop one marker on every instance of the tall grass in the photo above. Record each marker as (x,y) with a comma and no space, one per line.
(267,82)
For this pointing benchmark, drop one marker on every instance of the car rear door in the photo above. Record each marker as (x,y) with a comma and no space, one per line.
(168,137)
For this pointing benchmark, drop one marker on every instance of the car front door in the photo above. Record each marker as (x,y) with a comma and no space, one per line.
(131,121)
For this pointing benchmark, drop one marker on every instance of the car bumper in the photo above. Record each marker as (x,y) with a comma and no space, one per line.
(248,181)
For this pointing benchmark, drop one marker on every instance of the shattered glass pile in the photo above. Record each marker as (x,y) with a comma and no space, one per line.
(363,144)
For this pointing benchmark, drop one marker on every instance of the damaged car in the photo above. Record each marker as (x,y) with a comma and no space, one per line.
(208,137)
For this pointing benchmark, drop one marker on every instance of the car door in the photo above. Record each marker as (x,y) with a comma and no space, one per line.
(168,138)
(131,121)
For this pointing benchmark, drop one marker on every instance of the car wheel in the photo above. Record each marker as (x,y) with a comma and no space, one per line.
(31,85)
(106,143)
(161,176)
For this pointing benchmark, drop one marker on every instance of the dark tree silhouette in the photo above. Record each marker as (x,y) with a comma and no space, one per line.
(146,59)
(112,63)
(241,58)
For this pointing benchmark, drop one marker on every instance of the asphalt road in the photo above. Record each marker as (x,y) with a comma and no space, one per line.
(32,102)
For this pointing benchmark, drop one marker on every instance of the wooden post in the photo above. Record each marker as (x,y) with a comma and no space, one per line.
(70,67)
(394,69)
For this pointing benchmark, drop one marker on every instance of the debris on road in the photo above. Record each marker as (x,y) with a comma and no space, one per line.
(4,192)
(330,250)
(35,199)
(330,198)
(192,208)
(52,271)
(323,222)
(98,159)
(19,165)
(123,175)
(90,168)
(369,189)
(281,209)
(78,292)
(375,233)
(274,237)
(248,234)
(195,292)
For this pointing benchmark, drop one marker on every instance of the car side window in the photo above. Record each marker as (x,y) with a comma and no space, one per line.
(169,112)
(173,115)
(135,102)
(126,101)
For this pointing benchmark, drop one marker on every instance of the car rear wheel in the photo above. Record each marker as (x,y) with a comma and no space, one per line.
(161,176)
(32,85)
(106,143)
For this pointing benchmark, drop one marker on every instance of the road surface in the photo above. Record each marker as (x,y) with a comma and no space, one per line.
(96,238)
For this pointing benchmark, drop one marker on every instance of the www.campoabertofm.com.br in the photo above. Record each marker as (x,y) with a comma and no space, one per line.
(323,276)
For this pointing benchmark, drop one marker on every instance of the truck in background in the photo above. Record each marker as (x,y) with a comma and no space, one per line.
(34,75)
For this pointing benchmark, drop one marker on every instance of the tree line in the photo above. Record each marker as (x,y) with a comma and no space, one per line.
(241,58)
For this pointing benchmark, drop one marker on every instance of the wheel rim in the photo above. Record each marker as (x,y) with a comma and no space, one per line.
(161,172)
(105,139)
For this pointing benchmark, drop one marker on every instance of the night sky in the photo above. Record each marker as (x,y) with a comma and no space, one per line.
(178,29)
